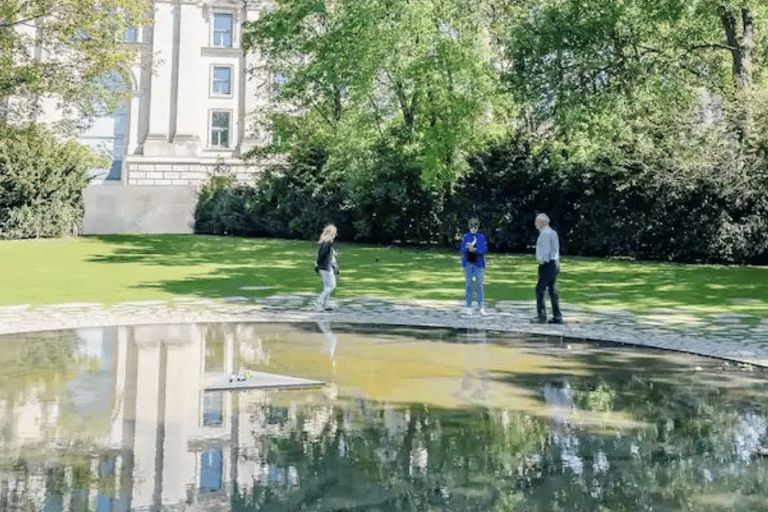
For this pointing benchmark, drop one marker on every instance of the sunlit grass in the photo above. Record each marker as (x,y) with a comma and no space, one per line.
(110,269)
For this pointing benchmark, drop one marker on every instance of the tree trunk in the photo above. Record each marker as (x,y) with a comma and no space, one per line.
(742,49)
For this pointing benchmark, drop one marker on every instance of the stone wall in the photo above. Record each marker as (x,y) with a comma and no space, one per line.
(181,173)
(156,195)
(113,207)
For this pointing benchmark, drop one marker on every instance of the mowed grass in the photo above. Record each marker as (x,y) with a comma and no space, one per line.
(120,268)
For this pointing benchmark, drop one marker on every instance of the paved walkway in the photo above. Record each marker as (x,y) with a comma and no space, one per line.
(740,338)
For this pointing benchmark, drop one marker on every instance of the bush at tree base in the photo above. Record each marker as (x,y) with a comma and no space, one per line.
(293,201)
(602,210)
(42,182)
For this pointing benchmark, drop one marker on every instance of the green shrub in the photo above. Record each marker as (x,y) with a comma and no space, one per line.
(641,211)
(216,198)
(653,213)
(390,203)
(41,183)
(285,201)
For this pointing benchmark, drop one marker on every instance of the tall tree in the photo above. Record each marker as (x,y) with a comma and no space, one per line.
(628,75)
(419,75)
(65,48)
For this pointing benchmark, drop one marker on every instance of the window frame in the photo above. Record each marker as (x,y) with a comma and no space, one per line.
(231,31)
(132,34)
(231,82)
(228,143)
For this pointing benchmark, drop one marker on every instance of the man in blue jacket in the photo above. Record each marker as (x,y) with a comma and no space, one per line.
(473,249)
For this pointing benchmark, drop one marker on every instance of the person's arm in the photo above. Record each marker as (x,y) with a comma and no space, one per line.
(482,246)
(555,246)
(464,242)
(542,249)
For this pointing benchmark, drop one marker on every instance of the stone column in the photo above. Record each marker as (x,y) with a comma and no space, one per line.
(190,80)
(147,461)
(184,386)
(159,108)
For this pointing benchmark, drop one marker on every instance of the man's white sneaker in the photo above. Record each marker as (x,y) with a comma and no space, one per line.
(468,311)
(483,312)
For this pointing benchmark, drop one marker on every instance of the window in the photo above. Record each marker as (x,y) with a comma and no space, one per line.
(221,81)
(211,469)
(82,35)
(220,129)
(279,78)
(132,35)
(223,25)
(213,408)
(108,130)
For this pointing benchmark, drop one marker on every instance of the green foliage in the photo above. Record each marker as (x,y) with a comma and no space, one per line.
(390,203)
(369,74)
(286,201)
(219,202)
(297,200)
(639,126)
(599,399)
(82,41)
(41,183)
(634,211)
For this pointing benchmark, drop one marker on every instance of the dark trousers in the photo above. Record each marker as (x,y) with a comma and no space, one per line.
(548,281)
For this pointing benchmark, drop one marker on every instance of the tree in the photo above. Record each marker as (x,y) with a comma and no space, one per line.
(417,75)
(620,79)
(662,99)
(42,181)
(64,49)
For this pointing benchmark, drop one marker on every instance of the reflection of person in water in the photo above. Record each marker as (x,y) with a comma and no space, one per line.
(558,396)
(559,399)
(330,341)
(475,382)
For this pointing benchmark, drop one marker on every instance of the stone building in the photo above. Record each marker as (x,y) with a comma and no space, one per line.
(192,111)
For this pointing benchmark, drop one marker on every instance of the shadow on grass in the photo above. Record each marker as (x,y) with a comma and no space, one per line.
(227,264)
(230,266)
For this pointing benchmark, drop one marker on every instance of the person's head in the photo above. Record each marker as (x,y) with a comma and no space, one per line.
(474,225)
(329,233)
(541,221)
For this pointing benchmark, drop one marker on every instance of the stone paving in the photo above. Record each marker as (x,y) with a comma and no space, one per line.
(735,337)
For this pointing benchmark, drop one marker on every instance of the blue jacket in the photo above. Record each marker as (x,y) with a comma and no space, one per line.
(481,247)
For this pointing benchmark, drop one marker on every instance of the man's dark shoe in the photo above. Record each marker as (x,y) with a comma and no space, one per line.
(556,321)
(538,320)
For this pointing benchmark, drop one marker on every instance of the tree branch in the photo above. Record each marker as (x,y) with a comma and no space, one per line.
(714,46)
(9,24)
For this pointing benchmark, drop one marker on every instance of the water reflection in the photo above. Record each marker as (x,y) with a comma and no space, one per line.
(120,419)
(329,347)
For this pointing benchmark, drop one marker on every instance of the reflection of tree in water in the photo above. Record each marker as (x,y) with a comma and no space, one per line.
(699,446)
(364,456)
(372,457)
(696,451)
(37,359)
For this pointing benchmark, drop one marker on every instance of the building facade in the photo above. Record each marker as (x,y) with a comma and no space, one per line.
(193,110)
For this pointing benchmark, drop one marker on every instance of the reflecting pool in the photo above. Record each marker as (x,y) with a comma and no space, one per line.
(123,418)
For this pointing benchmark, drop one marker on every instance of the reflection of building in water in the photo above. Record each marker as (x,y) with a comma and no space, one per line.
(155,438)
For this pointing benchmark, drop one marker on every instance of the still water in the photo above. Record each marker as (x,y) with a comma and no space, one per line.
(118,419)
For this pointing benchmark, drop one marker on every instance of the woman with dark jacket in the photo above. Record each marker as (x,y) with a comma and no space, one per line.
(327,267)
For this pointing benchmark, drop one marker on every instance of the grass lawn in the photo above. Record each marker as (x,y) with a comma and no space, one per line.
(110,269)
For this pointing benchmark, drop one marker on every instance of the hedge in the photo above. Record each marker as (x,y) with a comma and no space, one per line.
(632,211)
